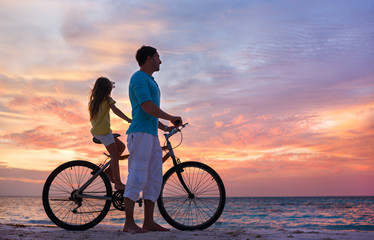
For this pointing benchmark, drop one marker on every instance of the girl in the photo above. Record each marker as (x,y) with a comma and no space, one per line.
(99,105)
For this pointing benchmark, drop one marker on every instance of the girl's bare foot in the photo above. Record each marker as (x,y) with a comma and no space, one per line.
(119,186)
(133,228)
(155,227)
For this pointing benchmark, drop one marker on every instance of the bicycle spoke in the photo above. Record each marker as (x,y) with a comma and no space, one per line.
(196,211)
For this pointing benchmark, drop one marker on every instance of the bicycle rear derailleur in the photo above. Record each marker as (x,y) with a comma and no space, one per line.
(117,200)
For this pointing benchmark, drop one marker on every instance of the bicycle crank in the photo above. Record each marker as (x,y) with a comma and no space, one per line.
(117,200)
(118,203)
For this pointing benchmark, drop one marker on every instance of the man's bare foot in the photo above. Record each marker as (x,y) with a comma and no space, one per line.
(108,172)
(133,228)
(155,227)
(119,186)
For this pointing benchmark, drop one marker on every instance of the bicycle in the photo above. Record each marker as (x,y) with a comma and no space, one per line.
(77,195)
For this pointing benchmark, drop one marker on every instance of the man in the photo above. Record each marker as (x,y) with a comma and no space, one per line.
(145,161)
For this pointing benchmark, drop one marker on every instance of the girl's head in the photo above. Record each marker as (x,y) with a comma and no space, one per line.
(99,93)
(103,87)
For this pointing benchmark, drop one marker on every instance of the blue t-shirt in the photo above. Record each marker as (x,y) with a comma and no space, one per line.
(143,88)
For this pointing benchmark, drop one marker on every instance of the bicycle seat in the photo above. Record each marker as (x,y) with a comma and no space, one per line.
(95,140)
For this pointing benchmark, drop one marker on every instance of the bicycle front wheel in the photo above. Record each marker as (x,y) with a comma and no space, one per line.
(70,212)
(199,210)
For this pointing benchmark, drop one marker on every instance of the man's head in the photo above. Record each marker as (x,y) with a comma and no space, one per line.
(148,55)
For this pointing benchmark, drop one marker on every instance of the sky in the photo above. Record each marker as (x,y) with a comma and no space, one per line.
(279,95)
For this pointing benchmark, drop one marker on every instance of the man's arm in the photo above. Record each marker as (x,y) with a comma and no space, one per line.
(153,110)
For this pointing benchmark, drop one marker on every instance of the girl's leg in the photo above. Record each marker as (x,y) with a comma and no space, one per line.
(120,146)
(114,165)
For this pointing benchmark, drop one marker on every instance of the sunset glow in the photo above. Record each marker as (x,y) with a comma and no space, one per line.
(279,96)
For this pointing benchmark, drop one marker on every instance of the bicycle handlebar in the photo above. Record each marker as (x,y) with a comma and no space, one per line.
(175,130)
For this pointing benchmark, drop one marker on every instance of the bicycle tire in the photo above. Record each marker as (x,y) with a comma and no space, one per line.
(197,213)
(57,192)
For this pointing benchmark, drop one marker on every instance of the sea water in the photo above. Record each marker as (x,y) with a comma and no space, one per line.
(312,213)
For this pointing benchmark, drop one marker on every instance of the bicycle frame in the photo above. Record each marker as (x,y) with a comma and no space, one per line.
(77,193)
(170,153)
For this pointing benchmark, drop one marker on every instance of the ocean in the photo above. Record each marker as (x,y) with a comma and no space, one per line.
(312,213)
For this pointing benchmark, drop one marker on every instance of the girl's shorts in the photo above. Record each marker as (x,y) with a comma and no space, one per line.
(106,139)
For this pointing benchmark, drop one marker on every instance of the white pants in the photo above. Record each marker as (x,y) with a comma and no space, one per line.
(145,166)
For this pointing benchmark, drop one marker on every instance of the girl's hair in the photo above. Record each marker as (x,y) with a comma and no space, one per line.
(99,93)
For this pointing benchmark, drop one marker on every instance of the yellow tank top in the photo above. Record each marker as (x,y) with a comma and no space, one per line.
(101,123)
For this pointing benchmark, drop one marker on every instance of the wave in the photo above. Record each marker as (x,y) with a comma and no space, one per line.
(350,227)
(40,222)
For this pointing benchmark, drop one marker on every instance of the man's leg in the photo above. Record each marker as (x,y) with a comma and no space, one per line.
(140,146)
(130,225)
(149,223)
(152,187)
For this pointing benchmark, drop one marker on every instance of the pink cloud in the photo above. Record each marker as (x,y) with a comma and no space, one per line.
(77,139)
(218,124)
(289,103)
(68,110)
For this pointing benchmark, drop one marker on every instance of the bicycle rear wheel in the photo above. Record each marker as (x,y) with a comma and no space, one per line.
(199,211)
(69,212)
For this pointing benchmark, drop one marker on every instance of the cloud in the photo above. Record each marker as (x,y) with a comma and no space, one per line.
(218,124)
(47,137)
(68,110)
(268,88)
(27,175)
(21,182)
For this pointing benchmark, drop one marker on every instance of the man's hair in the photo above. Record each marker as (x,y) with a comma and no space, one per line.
(143,53)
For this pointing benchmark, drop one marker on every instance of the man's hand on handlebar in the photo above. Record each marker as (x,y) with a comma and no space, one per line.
(177,121)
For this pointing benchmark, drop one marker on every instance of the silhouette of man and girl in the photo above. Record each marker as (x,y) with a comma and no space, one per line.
(145,161)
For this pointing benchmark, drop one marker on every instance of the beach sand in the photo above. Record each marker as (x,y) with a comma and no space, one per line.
(19,231)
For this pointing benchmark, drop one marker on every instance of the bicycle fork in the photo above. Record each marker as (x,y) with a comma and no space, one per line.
(179,170)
